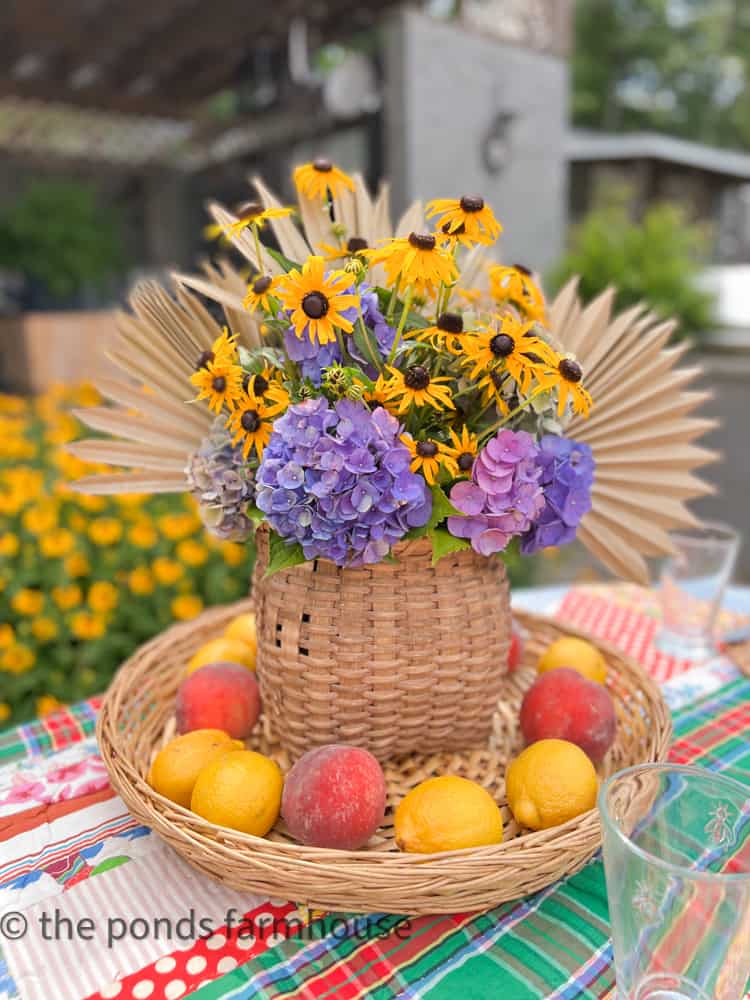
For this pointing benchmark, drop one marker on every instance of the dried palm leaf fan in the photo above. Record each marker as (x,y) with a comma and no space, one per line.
(641,431)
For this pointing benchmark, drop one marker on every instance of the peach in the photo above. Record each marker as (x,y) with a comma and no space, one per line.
(563,705)
(219,696)
(334,796)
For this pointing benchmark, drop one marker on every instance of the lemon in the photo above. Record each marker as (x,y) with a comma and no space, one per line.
(178,764)
(574,653)
(222,650)
(243,628)
(240,790)
(549,783)
(446,814)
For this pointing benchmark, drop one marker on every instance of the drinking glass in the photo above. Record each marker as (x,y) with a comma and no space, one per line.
(693,581)
(677,864)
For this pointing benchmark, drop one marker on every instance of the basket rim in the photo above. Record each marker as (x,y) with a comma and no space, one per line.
(106,732)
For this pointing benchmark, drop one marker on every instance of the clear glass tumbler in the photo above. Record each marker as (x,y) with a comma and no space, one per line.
(677,864)
(693,581)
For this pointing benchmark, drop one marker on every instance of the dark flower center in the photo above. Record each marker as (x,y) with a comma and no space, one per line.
(450,322)
(465,461)
(219,383)
(262,284)
(204,359)
(416,377)
(570,370)
(322,165)
(422,241)
(458,230)
(356,243)
(250,421)
(472,203)
(427,449)
(523,269)
(315,305)
(248,210)
(259,384)
(502,345)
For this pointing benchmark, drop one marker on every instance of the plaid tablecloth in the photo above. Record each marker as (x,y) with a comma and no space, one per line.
(94,905)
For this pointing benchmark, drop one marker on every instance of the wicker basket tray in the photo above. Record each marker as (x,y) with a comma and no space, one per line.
(137,718)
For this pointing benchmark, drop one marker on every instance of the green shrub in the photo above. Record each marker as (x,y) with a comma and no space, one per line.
(656,260)
(58,234)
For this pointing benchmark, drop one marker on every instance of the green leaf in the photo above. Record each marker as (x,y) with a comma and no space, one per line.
(283,555)
(281,260)
(443,543)
(441,508)
(256,516)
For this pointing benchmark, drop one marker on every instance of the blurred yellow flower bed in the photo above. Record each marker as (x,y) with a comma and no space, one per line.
(86,579)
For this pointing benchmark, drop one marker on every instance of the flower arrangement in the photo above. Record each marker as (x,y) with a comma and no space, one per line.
(85,579)
(391,397)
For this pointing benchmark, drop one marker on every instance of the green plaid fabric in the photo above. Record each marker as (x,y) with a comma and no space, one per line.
(49,735)
(552,944)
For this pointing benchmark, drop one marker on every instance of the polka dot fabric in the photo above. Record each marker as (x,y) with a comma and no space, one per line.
(182,972)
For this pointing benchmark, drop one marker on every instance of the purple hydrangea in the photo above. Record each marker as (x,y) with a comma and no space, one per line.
(336,479)
(503,498)
(567,476)
(311,356)
(384,333)
(222,483)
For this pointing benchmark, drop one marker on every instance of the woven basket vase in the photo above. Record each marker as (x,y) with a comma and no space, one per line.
(398,657)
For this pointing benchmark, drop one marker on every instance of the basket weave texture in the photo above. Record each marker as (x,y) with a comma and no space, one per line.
(396,657)
(137,719)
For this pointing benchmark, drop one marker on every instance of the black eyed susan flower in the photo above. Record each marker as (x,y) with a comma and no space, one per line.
(317,301)
(223,351)
(218,382)
(462,451)
(351,248)
(265,385)
(515,285)
(445,335)
(252,213)
(511,347)
(416,386)
(428,457)
(259,293)
(566,376)
(468,219)
(316,179)
(416,262)
(250,424)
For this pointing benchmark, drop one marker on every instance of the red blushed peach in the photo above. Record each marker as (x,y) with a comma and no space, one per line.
(563,705)
(334,797)
(219,696)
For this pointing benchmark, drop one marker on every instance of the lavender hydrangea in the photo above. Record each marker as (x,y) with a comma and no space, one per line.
(223,484)
(567,468)
(504,497)
(336,479)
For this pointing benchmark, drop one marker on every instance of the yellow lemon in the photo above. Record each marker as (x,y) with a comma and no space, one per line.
(240,790)
(178,764)
(549,783)
(446,814)
(222,650)
(574,653)
(243,628)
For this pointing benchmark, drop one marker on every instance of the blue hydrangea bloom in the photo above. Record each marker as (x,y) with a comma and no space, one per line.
(567,477)
(336,479)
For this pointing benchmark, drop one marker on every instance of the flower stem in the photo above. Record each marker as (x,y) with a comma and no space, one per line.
(366,336)
(501,423)
(401,323)
(392,300)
